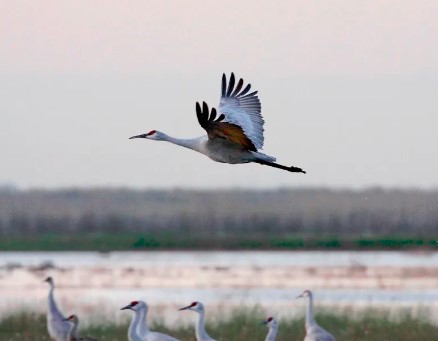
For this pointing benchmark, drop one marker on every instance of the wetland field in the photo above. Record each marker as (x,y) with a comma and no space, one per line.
(359,295)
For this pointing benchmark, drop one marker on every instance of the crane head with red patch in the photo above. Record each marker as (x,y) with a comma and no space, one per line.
(270,321)
(132,306)
(72,318)
(48,279)
(305,293)
(152,135)
(195,306)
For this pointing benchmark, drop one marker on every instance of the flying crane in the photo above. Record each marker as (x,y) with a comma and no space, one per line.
(234,131)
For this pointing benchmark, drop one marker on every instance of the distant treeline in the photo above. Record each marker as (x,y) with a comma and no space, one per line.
(221,213)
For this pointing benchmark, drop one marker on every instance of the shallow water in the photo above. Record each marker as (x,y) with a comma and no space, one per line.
(98,284)
(225,258)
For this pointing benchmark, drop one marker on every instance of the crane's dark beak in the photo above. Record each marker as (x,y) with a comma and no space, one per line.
(129,306)
(299,296)
(142,136)
(185,308)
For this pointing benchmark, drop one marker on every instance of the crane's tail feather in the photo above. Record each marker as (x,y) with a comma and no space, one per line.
(276,165)
(263,157)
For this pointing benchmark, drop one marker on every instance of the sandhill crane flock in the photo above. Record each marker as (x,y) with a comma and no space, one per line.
(234,136)
(61,328)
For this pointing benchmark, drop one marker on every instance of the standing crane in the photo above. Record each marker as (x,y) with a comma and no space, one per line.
(273,328)
(138,329)
(57,327)
(234,133)
(313,331)
(73,334)
(201,334)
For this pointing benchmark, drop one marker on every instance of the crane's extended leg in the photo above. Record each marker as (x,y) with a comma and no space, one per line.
(276,165)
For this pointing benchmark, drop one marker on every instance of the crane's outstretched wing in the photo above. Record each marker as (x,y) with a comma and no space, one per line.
(243,109)
(217,127)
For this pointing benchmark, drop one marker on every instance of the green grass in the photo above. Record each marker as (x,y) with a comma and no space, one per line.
(207,241)
(243,325)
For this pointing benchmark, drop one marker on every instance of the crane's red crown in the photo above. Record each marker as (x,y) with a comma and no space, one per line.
(133,303)
(269,319)
(193,304)
(151,132)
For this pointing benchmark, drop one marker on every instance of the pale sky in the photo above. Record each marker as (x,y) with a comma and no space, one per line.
(349,90)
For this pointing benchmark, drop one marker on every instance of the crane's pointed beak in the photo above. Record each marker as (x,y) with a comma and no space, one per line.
(299,296)
(126,307)
(185,308)
(142,136)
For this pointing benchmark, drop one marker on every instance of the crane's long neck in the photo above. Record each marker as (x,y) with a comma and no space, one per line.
(143,328)
(201,334)
(310,319)
(53,308)
(73,334)
(132,331)
(194,144)
(272,333)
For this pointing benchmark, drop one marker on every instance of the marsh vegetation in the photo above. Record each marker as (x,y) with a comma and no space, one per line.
(111,219)
(242,325)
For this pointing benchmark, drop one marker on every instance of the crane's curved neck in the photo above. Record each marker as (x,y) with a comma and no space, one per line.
(132,331)
(73,335)
(272,333)
(194,144)
(201,334)
(143,323)
(51,289)
(310,319)
(53,308)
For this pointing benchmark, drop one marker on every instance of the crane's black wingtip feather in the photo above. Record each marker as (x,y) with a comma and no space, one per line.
(231,82)
(205,109)
(224,84)
(212,115)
